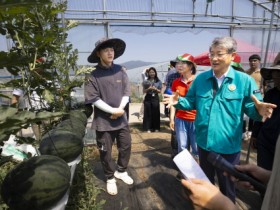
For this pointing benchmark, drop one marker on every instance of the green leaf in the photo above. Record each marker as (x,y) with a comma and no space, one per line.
(71,24)
(11,126)
(36,31)
(3,137)
(11,59)
(14,4)
(2,30)
(48,96)
(23,116)
(5,159)
(84,70)
(25,140)
(6,112)
(46,115)
(4,96)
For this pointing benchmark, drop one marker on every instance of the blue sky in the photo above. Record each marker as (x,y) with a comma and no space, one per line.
(153,47)
(159,47)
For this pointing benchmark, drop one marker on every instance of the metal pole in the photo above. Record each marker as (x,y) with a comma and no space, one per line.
(269,33)
(106,26)
(8,43)
(193,17)
(254,15)
(232,17)
(263,33)
(152,11)
(262,49)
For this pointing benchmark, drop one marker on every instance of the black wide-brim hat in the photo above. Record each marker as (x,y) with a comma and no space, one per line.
(266,71)
(173,62)
(118,45)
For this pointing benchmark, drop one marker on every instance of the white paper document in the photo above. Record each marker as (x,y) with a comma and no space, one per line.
(188,166)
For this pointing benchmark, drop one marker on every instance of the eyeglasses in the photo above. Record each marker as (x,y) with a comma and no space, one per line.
(219,55)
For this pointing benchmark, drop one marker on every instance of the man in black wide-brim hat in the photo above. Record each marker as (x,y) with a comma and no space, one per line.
(107,88)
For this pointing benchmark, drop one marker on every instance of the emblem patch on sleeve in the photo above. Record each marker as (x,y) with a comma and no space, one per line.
(257,91)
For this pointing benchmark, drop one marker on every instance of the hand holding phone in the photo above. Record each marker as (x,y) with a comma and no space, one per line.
(219,162)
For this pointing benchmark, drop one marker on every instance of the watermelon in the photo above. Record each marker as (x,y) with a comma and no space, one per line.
(65,144)
(70,125)
(87,109)
(77,116)
(37,183)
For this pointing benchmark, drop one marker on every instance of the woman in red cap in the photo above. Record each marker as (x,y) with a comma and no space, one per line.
(183,121)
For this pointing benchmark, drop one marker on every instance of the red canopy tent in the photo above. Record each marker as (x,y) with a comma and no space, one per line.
(202,59)
(244,50)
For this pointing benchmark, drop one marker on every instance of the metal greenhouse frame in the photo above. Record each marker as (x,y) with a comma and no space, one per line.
(261,18)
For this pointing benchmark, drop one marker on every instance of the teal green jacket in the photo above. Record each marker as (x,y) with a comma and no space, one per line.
(219,119)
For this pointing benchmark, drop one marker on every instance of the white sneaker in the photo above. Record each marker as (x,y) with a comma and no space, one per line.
(249,134)
(244,136)
(124,176)
(112,187)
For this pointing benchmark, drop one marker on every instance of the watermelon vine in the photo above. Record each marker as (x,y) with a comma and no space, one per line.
(41,60)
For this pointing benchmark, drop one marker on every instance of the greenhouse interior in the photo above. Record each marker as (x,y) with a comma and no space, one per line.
(150,27)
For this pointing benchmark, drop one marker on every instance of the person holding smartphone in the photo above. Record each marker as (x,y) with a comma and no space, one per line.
(220,97)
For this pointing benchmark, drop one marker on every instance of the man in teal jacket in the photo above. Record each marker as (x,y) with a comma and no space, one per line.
(221,96)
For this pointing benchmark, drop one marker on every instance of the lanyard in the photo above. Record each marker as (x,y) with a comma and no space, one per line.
(215,87)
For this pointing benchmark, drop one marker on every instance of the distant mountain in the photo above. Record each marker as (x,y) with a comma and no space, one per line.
(136,64)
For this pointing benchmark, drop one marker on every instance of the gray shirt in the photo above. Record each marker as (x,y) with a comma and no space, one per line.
(109,85)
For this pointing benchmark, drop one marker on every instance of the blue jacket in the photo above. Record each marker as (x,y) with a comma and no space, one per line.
(219,119)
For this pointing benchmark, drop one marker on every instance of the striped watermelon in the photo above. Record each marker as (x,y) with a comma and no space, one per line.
(37,183)
(65,144)
(87,109)
(78,117)
(72,126)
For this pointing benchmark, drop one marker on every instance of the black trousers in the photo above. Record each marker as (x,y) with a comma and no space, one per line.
(266,149)
(166,111)
(151,120)
(251,124)
(126,109)
(226,185)
(105,140)
(174,143)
